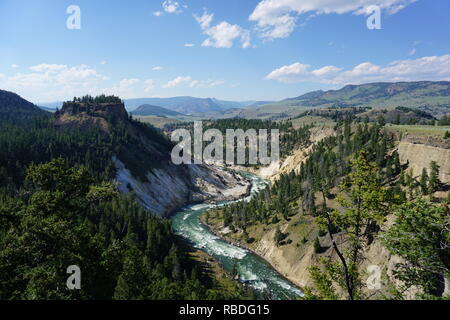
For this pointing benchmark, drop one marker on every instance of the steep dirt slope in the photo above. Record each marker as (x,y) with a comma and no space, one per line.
(419,156)
(293,162)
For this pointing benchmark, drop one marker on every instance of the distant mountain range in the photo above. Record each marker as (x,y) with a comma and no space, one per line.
(430,96)
(382,95)
(149,110)
(191,105)
(184,105)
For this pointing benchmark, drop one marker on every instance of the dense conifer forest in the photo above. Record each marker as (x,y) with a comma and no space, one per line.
(59,207)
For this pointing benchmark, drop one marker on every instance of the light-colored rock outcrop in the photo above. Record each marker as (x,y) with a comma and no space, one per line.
(171,187)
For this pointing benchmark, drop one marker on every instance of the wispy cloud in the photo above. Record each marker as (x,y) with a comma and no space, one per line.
(277,19)
(190,82)
(53,82)
(206,83)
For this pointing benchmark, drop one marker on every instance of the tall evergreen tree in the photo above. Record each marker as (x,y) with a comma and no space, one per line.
(424,181)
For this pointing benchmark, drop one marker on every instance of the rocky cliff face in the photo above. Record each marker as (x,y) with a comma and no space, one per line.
(103,110)
(170,187)
(143,163)
(86,115)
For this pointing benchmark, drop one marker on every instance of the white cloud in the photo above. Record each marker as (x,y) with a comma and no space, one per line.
(125,88)
(53,82)
(14,66)
(177,82)
(223,34)
(103,62)
(189,45)
(56,82)
(158,13)
(277,18)
(157,68)
(426,68)
(51,68)
(171,6)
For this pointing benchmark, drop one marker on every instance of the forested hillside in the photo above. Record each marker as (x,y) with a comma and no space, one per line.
(13,108)
(429,96)
(290,138)
(339,202)
(59,207)
(149,110)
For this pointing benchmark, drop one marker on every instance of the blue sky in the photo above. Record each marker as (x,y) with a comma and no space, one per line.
(234,49)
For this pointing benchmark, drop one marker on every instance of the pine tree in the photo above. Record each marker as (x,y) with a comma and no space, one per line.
(389,171)
(401,179)
(423,183)
(381,121)
(397,165)
(420,236)
(434,182)
(363,209)
(317,246)
(279,236)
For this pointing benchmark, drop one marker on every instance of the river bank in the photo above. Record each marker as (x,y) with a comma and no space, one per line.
(252,270)
(213,272)
(241,244)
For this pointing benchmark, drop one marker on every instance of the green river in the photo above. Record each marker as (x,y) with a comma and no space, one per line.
(252,270)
